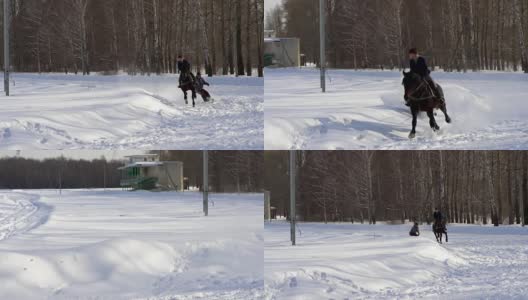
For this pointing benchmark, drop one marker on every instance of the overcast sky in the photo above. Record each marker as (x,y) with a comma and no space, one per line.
(269,4)
(75,154)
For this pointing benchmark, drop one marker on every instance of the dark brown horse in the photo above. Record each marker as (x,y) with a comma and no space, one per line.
(439,229)
(421,98)
(188,85)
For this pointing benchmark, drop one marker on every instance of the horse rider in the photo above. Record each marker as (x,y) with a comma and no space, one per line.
(419,66)
(438,217)
(184,67)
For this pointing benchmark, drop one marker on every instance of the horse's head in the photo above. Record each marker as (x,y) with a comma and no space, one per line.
(410,81)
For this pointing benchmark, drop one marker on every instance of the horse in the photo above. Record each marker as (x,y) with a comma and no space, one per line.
(188,85)
(421,98)
(439,229)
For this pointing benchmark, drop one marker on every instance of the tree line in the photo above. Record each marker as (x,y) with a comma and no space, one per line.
(455,35)
(485,187)
(60,172)
(137,36)
(229,171)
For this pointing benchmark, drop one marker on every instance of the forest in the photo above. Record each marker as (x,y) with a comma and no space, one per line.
(455,35)
(229,171)
(137,36)
(476,187)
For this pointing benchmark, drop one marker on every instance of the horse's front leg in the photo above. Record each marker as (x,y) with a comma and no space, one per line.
(444,110)
(432,121)
(446,235)
(194,97)
(414,112)
(185,97)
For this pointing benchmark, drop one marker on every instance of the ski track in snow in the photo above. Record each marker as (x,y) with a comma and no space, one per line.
(115,244)
(20,212)
(365,110)
(344,261)
(124,112)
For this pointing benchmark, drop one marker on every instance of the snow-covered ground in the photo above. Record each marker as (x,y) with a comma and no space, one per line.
(354,261)
(94,244)
(365,110)
(57,111)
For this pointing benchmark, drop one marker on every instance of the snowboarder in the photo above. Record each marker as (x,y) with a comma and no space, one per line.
(184,67)
(199,84)
(415,231)
(419,66)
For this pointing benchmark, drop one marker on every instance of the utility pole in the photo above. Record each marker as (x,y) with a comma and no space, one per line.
(322,40)
(292,196)
(7,20)
(205,182)
(104,174)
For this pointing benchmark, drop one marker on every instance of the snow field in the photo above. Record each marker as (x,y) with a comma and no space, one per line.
(56,111)
(365,110)
(98,244)
(354,261)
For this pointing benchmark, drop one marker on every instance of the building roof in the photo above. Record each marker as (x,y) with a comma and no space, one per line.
(143,155)
(142,164)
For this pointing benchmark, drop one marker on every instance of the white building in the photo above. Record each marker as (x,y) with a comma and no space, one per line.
(147,172)
(281,52)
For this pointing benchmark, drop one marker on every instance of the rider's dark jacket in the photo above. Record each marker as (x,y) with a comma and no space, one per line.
(184,66)
(419,66)
(437,216)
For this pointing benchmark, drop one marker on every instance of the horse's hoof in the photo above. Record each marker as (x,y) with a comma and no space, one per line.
(412,135)
(448,120)
(436,128)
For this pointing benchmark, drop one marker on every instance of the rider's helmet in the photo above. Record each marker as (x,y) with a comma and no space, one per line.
(413,51)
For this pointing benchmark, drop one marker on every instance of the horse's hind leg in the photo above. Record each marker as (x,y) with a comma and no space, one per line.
(185,97)
(446,235)
(194,97)
(432,121)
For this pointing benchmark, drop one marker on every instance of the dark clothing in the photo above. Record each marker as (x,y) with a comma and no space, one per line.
(432,85)
(200,82)
(184,67)
(438,217)
(419,66)
(414,231)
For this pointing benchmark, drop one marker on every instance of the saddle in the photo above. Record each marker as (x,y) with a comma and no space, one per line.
(187,78)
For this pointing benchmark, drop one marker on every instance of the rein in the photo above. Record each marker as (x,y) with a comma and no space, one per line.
(409,95)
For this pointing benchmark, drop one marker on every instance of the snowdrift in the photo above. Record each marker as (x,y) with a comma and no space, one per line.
(101,112)
(365,110)
(354,261)
(122,245)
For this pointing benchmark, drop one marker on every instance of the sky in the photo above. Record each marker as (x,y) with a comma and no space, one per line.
(74,154)
(269,4)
